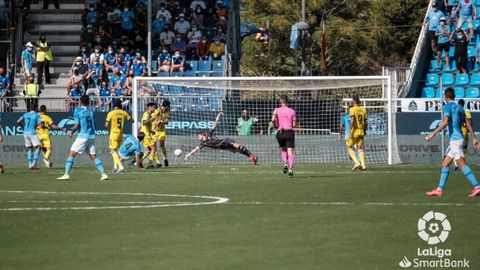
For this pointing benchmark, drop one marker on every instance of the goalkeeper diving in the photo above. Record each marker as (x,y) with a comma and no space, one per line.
(208,139)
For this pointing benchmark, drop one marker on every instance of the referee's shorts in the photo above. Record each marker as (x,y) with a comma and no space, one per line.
(286,138)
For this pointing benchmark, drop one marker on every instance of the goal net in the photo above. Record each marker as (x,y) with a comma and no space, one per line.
(248,103)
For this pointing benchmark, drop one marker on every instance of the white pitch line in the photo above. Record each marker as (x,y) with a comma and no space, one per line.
(101,202)
(352,203)
(213,200)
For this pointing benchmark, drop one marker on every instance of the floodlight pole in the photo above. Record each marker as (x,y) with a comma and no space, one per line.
(149,38)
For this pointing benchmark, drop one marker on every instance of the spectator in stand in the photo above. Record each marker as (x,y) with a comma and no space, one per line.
(129,82)
(164,61)
(80,65)
(222,13)
(116,78)
(197,16)
(157,26)
(44,57)
(96,56)
(5,84)
(109,58)
(178,63)
(138,68)
(27,59)
(96,71)
(114,19)
(87,35)
(203,49)
(179,45)
(441,4)
(466,13)
(433,21)
(221,35)
(74,93)
(163,12)
(99,41)
(84,53)
(92,15)
(126,44)
(443,40)
(451,9)
(120,65)
(127,20)
(197,3)
(182,26)
(245,123)
(194,36)
(77,78)
(104,96)
(217,49)
(139,39)
(46,2)
(166,38)
(141,16)
(461,49)
(175,9)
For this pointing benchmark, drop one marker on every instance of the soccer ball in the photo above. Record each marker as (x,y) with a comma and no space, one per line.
(177,152)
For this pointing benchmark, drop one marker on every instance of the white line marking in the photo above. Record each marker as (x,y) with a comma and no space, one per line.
(352,203)
(213,200)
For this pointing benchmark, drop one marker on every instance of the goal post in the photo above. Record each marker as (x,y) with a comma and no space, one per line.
(248,103)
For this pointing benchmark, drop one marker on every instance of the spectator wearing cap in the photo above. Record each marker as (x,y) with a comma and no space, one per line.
(217,49)
(167,37)
(182,26)
(27,59)
(443,41)
(164,61)
(466,13)
(433,21)
(179,45)
(197,3)
(31,92)
(80,65)
(127,17)
(44,57)
(203,49)
(178,63)
(163,11)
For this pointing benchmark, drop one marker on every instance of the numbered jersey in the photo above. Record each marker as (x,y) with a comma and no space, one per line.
(117,119)
(44,129)
(359,114)
(85,120)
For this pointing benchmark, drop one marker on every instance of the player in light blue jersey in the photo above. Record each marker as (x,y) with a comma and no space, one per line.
(454,118)
(131,148)
(30,121)
(85,128)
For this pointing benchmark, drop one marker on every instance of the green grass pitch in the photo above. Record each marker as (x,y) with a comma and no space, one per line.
(326,217)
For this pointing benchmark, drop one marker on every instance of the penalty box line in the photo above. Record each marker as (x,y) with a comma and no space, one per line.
(352,204)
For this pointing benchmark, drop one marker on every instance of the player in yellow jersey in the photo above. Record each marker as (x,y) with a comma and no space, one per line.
(465,132)
(161,117)
(146,128)
(43,133)
(115,122)
(358,127)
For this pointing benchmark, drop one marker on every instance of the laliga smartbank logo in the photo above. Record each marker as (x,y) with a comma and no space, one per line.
(434,228)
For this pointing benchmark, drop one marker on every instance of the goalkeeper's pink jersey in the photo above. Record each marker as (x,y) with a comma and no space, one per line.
(285,117)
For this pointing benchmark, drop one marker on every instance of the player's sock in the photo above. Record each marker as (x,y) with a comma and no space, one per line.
(164,151)
(36,155)
(151,157)
(284,156)
(291,161)
(353,155)
(244,151)
(99,165)
(68,165)
(116,159)
(443,177)
(156,158)
(30,157)
(47,154)
(470,176)
(362,157)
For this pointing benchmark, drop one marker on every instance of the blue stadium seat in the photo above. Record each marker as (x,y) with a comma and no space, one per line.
(452,68)
(203,74)
(433,66)
(440,92)
(459,92)
(176,90)
(217,73)
(451,52)
(475,81)
(428,92)
(205,65)
(163,74)
(476,25)
(154,66)
(217,65)
(472,92)
(192,65)
(471,51)
(190,73)
(176,74)
(432,79)
(447,79)
(462,80)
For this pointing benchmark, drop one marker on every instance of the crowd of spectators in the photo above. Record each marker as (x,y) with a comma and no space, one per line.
(113,44)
